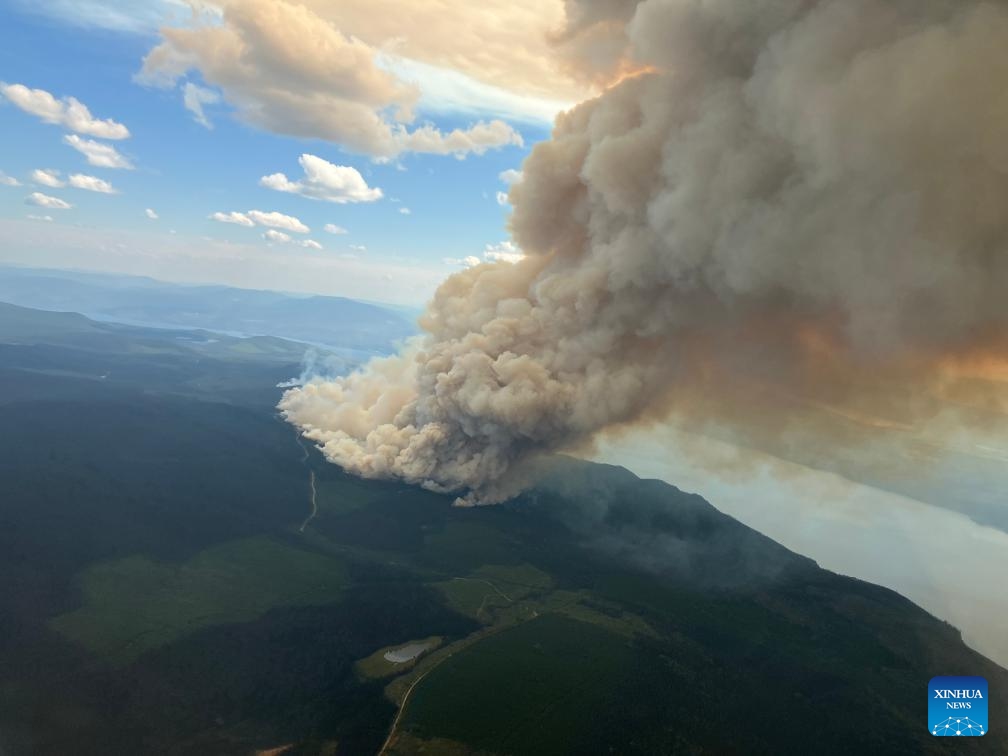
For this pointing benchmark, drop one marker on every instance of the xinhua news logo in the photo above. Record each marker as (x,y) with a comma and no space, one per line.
(957,706)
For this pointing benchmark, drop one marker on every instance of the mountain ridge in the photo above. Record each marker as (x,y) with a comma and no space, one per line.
(339,322)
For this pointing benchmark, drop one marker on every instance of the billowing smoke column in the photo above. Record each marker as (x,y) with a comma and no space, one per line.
(785,210)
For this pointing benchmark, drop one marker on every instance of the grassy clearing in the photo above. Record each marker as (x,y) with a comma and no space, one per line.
(473,598)
(135,604)
(493,587)
(376,666)
(504,595)
(517,580)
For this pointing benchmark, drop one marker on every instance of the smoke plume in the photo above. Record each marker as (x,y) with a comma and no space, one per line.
(784,216)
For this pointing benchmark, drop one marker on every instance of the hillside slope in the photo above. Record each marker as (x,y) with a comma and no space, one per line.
(178,574)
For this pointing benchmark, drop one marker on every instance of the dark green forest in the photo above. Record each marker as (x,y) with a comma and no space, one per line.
(165,589)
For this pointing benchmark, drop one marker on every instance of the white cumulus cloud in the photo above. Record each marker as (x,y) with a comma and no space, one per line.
(272,235)
(68,112)
(47,177)
(505,251)
(44,218)
(91,184)
(325,181)
(510,176)
(332,228)
(279,237)
(6,180)
(477,139)
(239,219)
(151,214)
(470,261)
(44,200)
(98,154)
(261,218)
(405,211)
(278,220)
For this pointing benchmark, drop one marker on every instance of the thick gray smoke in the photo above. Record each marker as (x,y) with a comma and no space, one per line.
(790,210)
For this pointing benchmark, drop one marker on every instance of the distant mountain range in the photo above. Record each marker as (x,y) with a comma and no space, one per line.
(336,322)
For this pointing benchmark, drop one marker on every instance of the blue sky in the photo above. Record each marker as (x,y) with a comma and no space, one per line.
(185,172)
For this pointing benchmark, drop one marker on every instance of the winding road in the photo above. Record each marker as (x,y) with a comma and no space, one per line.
(311,483)
(402,706)
(409,691)
(314,503)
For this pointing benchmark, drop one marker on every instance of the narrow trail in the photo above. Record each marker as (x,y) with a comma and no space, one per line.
(311,483)
(487,582)
(314,502)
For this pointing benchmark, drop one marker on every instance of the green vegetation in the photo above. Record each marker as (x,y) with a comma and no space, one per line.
(504,595)
(21,325)
(491,587)
(471,597)
(517,580)
(464,545)
(341,495)
(133,605)
(376,666)
(157,596)
(532,688)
